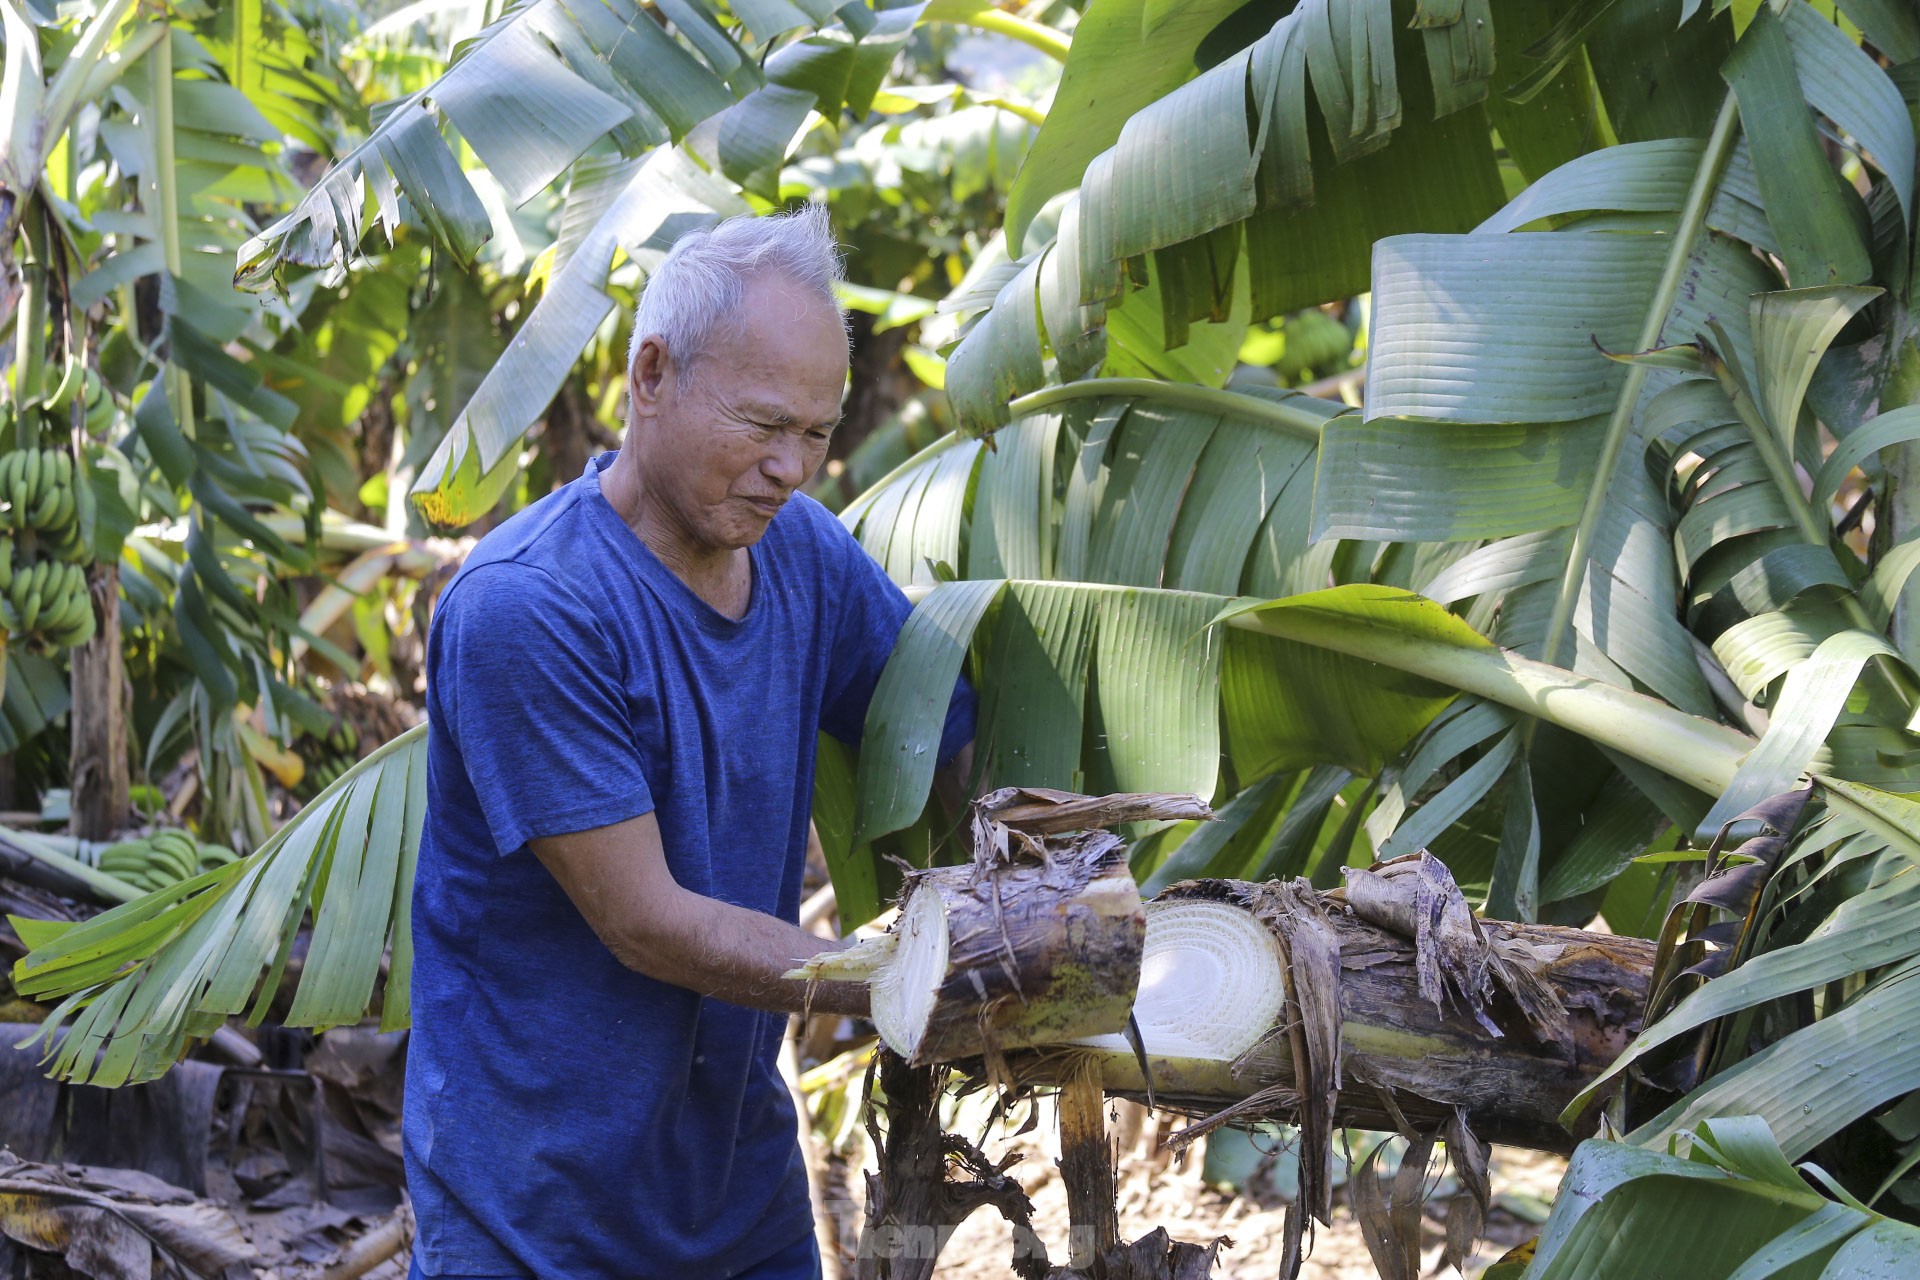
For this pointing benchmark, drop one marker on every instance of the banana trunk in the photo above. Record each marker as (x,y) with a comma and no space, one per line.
(1229,1006)
(986,959)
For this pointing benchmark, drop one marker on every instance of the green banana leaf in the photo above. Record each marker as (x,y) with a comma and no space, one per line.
(136,983)
(1725,1204)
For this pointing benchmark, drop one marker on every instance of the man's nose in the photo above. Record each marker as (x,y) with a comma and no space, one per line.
(786,463)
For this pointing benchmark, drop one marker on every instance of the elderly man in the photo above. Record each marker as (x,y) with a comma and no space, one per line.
(625,683)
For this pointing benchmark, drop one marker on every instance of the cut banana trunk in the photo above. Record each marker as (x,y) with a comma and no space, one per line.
(988,960)
(1212,986)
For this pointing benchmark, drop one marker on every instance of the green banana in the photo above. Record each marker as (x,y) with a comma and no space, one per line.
(69,546)
(74,609)
(47,599)
(216,855)
(26,487)
(16,511)
(161,859)
(178,860)
(323,775)
(56,609)
(71,379)
(22,585)
(129,861)
(47,508)
(46,475)
(26,594)
(28,491)
(56,605)
(175,840)
(128,855)
(82,628)
(99,406)
(78,634)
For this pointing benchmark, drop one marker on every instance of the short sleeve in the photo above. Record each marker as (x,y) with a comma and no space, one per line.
(871,611)
(526,684)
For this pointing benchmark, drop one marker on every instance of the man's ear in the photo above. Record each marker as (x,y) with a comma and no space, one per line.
(652,366)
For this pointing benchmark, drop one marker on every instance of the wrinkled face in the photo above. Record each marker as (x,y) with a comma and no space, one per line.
(721,456)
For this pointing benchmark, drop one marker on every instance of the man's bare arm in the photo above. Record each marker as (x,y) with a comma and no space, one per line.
(618,878)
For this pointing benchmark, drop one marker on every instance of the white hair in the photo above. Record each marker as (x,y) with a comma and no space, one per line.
(701,284)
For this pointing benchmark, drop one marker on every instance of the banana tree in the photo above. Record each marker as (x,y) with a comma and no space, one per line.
(1547,464)
(1627,511)
(1583,438)
(660,119)
(133,157)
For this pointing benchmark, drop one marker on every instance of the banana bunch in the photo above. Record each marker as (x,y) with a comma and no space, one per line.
(1316,342)
(38,490)
(163,858)
(328,758)
(76,383)
(43,550)
(45,600)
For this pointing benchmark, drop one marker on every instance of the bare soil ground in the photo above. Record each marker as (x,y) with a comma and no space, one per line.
(1160,1190)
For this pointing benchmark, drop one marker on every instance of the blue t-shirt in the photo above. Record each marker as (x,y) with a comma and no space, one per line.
(567,1116)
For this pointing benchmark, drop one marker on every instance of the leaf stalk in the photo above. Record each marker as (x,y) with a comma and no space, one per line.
(71,81)
(1693,218)
(166,211)
(1699,752)
(1179,395)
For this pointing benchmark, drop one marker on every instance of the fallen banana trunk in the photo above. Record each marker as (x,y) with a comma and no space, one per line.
(1385,1005)
(1242,982)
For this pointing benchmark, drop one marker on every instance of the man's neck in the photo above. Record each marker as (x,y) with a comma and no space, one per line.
(723,578)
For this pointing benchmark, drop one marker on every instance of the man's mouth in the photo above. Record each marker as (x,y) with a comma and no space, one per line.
(769,505)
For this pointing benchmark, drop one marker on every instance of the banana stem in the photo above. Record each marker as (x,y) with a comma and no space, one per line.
(108,888)
(1032,115)
(30,339)
(1034,35)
